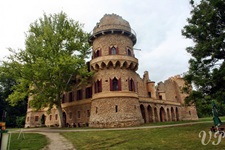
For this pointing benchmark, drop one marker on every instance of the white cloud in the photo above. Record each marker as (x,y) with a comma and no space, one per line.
(158,26)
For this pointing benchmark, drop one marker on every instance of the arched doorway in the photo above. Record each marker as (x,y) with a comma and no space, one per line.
(156,114)
(162,114)
(143,112)
(172,114)
(150,115)
(43,118)
(64,118)
(168,114)
(177,114)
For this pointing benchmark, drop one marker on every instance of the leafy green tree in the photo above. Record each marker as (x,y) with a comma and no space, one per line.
(53,59)
(8,113)
(206,27)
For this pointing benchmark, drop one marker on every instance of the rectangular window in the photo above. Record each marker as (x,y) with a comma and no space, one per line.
(131,85)
(98,86)
(36,118)
(79,95)
(88,92)
(160,97)
(116,108)
(28,118)
(63,98)
(70,96)
(56,116)
(50,117)
(149,94)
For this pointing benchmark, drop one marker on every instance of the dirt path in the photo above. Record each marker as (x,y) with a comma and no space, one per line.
(57,142)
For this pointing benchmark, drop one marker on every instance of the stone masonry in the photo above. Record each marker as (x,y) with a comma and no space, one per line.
(117,96)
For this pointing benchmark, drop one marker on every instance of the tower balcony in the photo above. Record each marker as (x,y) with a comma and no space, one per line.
(114,61)
(112,29)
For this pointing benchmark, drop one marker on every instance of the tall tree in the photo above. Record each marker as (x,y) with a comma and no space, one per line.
(55,52)
(206,27)
(10,114)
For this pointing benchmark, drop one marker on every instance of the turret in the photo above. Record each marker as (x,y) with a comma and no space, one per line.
(115,100)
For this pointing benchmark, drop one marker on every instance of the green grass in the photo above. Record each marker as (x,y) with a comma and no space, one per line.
(31,141)
(182,137)
(211,119)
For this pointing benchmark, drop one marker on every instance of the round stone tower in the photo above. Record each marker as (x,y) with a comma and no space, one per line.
(115,100)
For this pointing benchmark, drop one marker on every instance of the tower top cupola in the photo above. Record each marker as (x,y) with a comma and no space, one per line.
(110,24)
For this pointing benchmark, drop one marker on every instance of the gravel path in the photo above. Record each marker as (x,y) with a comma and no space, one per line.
(57,142)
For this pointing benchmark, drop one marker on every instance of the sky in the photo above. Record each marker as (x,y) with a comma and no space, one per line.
(157,24)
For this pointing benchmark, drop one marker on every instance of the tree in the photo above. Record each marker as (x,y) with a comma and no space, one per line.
(10,114)
(53,59)
(206,27)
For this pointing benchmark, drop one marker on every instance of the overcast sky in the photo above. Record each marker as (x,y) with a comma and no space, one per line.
(157,24)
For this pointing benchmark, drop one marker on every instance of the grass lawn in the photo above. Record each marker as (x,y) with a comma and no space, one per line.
(222,118)
(171,138)
(31,141)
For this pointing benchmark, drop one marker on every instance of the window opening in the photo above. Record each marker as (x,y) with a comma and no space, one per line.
(131,85)
(70,96)
(129,52)
(63,98)
(116,108)
(36,118)
(79,94)
(88,92)
(113,51)
(98,86)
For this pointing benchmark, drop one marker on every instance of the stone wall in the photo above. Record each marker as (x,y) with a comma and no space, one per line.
(120,41)
(115,112)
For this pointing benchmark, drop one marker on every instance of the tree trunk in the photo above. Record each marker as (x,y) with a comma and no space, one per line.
(61,119)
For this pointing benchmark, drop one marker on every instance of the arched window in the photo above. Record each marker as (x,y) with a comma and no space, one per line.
(115,84)
(131,85)
(97,53)
(98,86)
(113,50)
(129,52)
